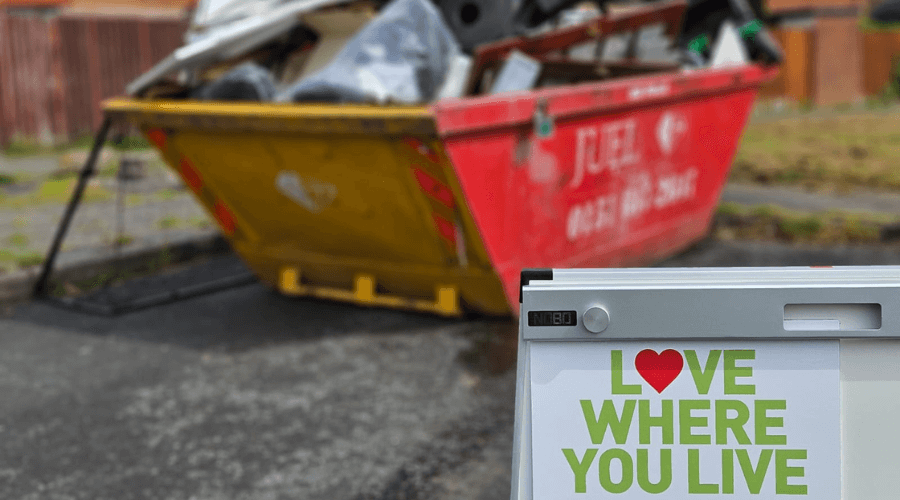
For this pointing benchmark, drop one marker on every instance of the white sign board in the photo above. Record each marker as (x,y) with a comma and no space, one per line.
(749,383)
(679,420)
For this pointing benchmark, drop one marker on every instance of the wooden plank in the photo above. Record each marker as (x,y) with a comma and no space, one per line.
(21,40)
(73,33)
(837,56)
(489,55)
(798,74)
(43,83)
(880,56)
(95,77)
(59,88)
(145,47)
(776,88)
(779,6)
(7,83)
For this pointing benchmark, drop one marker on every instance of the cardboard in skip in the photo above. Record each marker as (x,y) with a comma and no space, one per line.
(744,383)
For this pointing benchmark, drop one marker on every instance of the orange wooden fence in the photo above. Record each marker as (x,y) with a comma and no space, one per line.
(805,78)
(881,55)
(795,81)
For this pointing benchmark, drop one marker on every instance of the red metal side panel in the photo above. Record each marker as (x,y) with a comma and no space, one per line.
(629,172)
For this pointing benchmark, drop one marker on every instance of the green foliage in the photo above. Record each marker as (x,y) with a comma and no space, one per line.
(7,179)
(868,24)
(123,240)
(169,222)
(18,259)
(801,228)
(22,146)
(18,240)
(729,208)
(30,259)
(132,143)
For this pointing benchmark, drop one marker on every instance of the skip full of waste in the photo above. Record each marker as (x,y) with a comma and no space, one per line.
(419,154)
(407,51)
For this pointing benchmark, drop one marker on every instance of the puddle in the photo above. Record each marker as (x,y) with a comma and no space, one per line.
(493,349)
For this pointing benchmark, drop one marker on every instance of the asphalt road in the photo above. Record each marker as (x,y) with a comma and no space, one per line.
(247,395)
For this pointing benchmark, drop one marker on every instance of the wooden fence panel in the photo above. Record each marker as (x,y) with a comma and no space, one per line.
(799,72)
(795,78)
(7,84)
(26,73)
(800,81)
(776,88)
(55,73)
(881,54)
(78,83)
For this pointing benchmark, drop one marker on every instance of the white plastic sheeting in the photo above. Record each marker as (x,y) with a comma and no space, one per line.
(212,15)
(229,39)
(402,56)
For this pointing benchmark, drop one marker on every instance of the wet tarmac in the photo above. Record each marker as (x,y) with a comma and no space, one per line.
(244,394)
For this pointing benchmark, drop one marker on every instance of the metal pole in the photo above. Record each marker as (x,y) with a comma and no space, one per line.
(40,287)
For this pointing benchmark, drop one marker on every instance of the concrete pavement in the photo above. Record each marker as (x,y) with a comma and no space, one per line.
(798,199)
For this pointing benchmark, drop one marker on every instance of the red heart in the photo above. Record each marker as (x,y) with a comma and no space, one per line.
(659,370)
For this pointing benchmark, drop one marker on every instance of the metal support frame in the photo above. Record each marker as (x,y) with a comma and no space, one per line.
(90,167)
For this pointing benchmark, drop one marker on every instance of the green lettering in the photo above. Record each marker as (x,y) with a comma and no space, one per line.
(627,470)
(727,471)
(580,467)
(783,472)
(686,421)
(608,418)
(619,387)
(664,421)
(732,372)
(665,471)
(694,484)
(736,424)
(764,422)
(702,378)
(754,478)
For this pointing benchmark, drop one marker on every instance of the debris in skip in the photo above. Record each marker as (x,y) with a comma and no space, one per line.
(420,51)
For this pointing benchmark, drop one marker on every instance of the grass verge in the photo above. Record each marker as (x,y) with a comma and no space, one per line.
(766,222)
(837,153)
(14,259)
(56,191)
(21,147)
